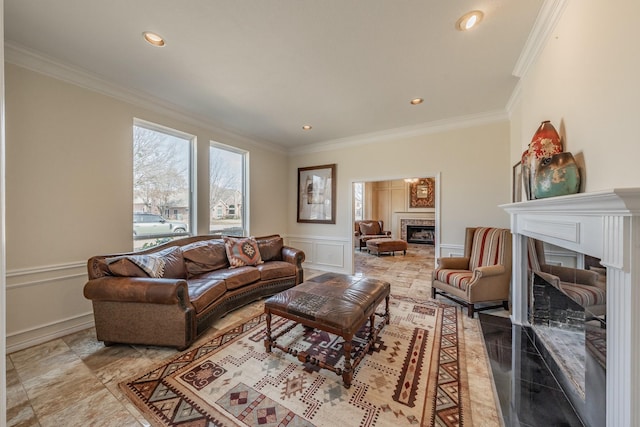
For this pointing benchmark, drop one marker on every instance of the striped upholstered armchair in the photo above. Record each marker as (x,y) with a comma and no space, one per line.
(483,274)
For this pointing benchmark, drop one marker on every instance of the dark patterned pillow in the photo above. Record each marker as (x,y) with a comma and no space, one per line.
(242,251)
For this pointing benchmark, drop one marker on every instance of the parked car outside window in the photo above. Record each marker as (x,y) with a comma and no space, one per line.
(148,224)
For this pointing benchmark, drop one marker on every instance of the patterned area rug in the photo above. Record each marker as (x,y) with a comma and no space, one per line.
(414,376)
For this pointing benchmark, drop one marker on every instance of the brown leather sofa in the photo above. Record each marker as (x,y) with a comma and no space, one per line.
(170,294)
(369,229)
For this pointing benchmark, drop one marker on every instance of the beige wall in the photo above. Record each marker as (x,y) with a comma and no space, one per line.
(69,193)
(474,167)
(586,82)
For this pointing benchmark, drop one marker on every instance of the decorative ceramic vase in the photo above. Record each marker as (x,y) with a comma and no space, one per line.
(557,175)
(545,143)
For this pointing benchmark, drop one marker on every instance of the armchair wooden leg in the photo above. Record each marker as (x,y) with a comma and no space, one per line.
(505,305)
(470,310)
(433,292)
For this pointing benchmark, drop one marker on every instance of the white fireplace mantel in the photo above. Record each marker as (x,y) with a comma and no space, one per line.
(606,225)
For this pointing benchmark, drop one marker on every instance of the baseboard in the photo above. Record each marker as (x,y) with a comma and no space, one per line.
(28,338)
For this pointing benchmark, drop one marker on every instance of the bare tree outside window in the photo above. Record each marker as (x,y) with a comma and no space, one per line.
(226,190)
(161,185)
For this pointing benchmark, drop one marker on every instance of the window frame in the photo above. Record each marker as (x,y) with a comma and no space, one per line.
(244,186)
(192,165)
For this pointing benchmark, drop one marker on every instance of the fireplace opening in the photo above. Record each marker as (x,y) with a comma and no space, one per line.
(421,234)
(572,340)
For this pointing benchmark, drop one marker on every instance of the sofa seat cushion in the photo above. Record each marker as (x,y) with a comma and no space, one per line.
(276,270)
(235,277)
(204,291)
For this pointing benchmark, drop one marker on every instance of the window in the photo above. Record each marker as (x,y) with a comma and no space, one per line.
(227,190)
(358,201)
(163,173)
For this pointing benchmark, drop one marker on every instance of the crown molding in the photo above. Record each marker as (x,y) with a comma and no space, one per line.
(437,126)
(546,21)
(514,98)
(42,64)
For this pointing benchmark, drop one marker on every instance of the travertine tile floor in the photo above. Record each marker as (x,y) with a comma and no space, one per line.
(73,380)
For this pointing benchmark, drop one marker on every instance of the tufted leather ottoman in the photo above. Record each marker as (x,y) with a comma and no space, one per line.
(334,303)
(378,246)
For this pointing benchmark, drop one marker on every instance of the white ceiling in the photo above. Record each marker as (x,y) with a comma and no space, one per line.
(264,68)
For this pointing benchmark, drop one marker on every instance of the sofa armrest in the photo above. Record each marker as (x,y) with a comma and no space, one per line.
(138,289)
(454,263)
(293,256)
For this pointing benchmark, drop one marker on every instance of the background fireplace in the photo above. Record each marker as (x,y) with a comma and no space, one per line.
(422,234)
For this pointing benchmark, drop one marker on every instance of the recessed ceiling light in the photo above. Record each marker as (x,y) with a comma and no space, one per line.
(306,127)
(416,101)
(153,39)
(469,20)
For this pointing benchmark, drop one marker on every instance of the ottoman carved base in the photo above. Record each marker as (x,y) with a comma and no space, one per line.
(333,303)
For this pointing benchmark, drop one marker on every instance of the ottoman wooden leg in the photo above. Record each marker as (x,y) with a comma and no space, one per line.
(267,339)
(347,375)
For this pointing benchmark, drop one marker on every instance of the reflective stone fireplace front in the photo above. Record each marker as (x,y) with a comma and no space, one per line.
(605,225)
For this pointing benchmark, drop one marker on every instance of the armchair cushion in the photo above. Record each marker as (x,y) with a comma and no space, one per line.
(458,278)
(369,228)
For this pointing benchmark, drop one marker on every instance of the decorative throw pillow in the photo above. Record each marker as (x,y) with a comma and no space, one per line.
(137,265)
(242,251)
(370,228)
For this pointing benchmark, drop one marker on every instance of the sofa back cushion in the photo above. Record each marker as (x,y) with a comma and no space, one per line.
(204,256)
(270,247)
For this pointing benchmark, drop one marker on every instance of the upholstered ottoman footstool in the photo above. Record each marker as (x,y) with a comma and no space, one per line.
(378,246)
(333,303)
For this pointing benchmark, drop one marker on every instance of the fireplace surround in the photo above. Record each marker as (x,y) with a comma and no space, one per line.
(605,225)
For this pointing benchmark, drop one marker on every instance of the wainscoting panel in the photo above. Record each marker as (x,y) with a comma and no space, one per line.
(449,250)
(324,253)
(44,303)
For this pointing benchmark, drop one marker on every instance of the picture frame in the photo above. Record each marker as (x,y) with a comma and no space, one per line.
(422,194)
(317,194)
(516,184)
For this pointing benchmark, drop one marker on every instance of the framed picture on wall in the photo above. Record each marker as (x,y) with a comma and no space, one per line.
(422,194)
(317,194)
(516,184)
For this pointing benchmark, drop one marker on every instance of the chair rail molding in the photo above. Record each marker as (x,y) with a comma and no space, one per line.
(604,224)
